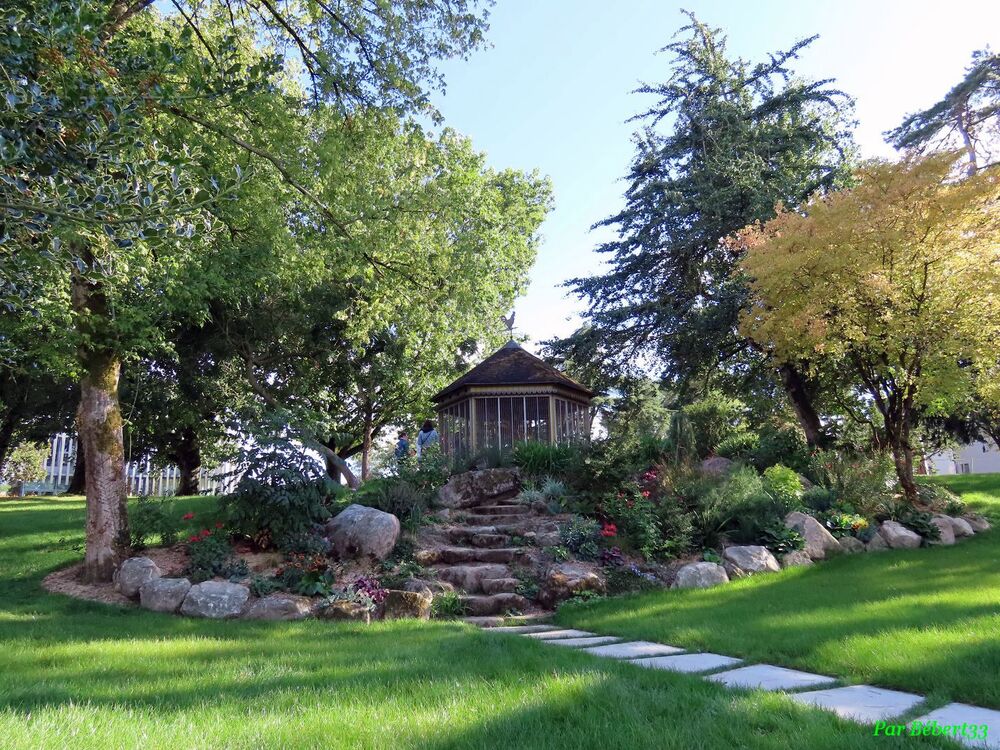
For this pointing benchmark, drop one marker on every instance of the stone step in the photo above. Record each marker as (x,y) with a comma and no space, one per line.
(499,520)
(474,538)
(502,510)
(471,578)
(453,555)
(499,585)
(495,604)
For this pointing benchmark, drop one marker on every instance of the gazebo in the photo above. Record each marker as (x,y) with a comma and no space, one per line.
(511,397)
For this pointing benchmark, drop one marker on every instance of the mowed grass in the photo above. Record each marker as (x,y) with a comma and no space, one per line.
(926,620)
(76,674)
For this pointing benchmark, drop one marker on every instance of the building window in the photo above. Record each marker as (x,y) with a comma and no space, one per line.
(503,422)
(572,421)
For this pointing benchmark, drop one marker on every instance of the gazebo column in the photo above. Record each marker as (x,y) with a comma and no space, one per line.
(553,440)
(473,437)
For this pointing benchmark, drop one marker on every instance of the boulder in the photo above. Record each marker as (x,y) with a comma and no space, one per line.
(796,559)
(470,577)
(852,545)
(700,575)
(359,531)
(566,579)
(876,544)
(402,605)
(977,522)
(134,572)
(716,466)
(164,594)
(217,600)
(819,541)
(960,527)
(748,560)
(806,484)
(421,585)
(472,487)
(947,533)
(280,607)
(898,536)
(342,609)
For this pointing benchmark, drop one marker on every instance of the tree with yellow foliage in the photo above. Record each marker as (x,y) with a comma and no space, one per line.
(895,283)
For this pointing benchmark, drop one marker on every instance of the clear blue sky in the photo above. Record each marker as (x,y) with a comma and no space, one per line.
(553,93)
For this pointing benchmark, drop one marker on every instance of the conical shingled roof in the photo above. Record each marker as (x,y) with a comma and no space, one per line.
(512,365)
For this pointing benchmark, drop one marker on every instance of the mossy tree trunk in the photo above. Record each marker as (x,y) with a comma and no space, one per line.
(99,426)
(188,455)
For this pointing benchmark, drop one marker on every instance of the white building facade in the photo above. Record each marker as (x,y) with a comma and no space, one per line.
(974,458)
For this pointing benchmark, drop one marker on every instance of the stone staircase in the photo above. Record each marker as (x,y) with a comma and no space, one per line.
(485,540)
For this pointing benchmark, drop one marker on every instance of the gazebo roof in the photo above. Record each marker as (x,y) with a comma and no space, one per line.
(512,365)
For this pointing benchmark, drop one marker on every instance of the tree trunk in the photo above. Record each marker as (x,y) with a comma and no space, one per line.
(78,482)
(333,470)
(99,426)
(188,454)
(6,437)
(798,393)
(902,454)
(366,448)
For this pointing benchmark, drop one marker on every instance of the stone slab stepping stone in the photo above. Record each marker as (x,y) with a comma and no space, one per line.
(975,719)
(567,633)
(689,663)
(523,629)
(861,702)
(596,640)
(768,677)
(634,650)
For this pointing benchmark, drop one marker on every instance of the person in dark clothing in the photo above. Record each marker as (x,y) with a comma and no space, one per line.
(402,446)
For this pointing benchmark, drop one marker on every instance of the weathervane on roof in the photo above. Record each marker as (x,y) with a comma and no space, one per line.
(509,322)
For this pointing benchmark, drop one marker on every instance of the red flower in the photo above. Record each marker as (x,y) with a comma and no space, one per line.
(609,530)
(645,493)
(193,538)
(187,516)
(205,532)
(218,524)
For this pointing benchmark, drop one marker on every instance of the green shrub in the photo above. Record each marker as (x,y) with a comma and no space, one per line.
(25,463)
(713,419)
(636,520)
(865,482)
(781,540)
(819,499)
(628,580)
(210,555)
(153,517)
(784,483)
(740,445)
(740,509)
(553,489)
(940,499)
(263,585)
(311,542)
(580,536)
(782,445)
(282,494)
(447,606)
(537,460)
(843,524)
(915,520)
(394,495)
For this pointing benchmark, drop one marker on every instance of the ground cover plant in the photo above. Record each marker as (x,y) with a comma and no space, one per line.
(81,674)
(922,620)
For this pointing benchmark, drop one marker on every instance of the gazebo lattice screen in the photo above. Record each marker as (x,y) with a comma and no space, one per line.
(511,397)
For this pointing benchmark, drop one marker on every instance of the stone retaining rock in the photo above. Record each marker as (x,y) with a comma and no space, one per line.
(796,559)
(359,531)
(280,606)
(819,541)
(164,594)
(345,610)
(472,487)
(566,579)
(134,572)
(947,533)
(977,522)
(216,600)
(852,545)
(898,536)
(747,560)
(700,575)
(716,466)
(399,605)
(876,544)
(960,527)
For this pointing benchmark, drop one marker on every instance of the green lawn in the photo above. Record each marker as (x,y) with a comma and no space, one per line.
(926,620)
(74,674)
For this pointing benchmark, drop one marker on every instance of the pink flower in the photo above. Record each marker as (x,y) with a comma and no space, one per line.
(646,493)
(609,530)
(187,516)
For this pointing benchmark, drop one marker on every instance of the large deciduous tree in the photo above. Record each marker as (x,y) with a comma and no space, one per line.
(88,184)
(895,282)
(724,143)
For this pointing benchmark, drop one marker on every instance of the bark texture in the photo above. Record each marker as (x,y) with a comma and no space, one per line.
(188,456)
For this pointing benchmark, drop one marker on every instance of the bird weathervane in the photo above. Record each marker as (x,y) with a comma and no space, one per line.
(509,322)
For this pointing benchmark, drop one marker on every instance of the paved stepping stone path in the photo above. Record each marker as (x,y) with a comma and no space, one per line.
(691,663)
(957,714)
(633,650)
(767,677)
(861,703)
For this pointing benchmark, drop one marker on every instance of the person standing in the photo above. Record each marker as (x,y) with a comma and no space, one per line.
(402,446)
(427,437)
